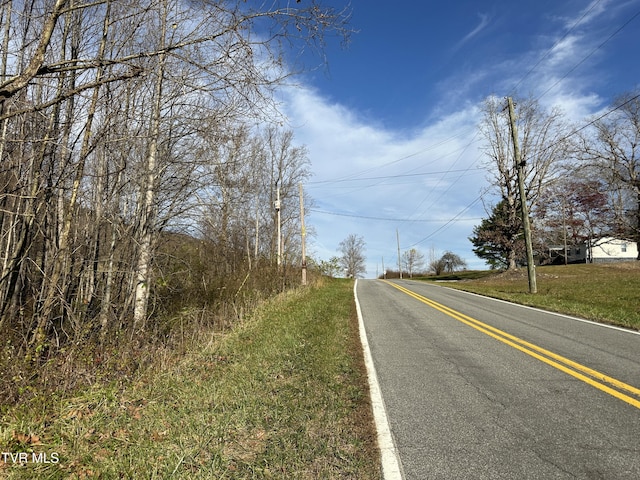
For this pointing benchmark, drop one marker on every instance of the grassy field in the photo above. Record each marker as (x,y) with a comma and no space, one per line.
(608,293)
(282,396)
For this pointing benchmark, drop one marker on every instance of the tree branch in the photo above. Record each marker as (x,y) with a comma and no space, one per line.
(134,72)
(17,83)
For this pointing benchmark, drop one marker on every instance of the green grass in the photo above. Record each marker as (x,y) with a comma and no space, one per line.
(462,275)
(608,293)
(282,396)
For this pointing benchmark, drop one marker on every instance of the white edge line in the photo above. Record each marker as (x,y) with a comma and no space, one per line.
(391,469)
(563,315)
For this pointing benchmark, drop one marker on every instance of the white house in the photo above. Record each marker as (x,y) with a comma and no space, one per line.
(609,249)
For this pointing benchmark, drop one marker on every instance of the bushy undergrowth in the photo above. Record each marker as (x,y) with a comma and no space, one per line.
(194,289)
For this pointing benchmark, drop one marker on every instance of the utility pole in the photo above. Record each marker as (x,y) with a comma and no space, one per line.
(531,268)
(399,264)
(255,251)
(384,272)
(279,239)
(564,232)
(304,235)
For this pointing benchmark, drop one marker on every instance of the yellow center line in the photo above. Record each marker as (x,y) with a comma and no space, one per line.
(588,375)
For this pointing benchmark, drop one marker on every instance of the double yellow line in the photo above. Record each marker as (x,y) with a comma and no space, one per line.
(592,377)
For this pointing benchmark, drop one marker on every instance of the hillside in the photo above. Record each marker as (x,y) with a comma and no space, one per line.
(607,293)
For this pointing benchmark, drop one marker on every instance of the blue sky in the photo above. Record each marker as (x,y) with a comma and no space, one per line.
(391,123)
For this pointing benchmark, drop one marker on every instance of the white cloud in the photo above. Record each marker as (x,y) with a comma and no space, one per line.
(364,170)
(590,13)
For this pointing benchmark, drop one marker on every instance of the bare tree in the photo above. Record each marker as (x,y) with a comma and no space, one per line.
(100,120)
(245,167)
(615,152)
(412,261)
(62,264)
(449,263)
(289,166)
(543,145)
(574,211)
(353,259)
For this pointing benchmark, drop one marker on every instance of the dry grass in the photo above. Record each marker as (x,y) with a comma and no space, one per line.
(284,395)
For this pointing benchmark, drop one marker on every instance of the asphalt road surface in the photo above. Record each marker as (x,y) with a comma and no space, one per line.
(476,388)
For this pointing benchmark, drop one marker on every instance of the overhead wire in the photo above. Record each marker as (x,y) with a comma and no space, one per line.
(593,122)
(548,52)
(397,160)
(384,178)
(590,54)
(572,69)
(454,219)
(390,177)
(385,219)
(452,183)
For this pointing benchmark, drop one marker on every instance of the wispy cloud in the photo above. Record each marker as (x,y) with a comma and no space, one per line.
(567,72)
(484,22)
(590,12)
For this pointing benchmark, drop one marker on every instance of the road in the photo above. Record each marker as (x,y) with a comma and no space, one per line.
(475,388)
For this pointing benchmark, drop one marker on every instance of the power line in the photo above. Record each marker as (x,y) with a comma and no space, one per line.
(379,180)
(386,219)
(393,162)
(454,219)
(358,175)
(571,70)
(390,177)
(593,6)
(595,120)
(457,179)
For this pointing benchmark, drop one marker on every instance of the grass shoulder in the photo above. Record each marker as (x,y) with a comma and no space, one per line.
(606,293)
(284,395)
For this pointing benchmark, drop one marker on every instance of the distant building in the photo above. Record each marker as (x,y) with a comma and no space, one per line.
(602,250)
(609,249)
(574,254)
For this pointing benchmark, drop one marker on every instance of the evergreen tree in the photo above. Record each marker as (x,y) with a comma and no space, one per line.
(497,240)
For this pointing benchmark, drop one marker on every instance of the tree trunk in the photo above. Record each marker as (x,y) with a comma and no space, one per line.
(62,262)
(147,211)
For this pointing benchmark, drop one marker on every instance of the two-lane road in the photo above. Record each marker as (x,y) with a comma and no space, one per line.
(477,388)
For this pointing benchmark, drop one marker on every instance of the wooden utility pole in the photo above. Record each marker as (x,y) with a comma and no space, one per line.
(399,263)
(278,233)
(564,232)
(304,235)
(531,268)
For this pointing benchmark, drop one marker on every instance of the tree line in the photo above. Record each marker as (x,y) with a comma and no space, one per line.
(352,262)
(582,183)
(124,119)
